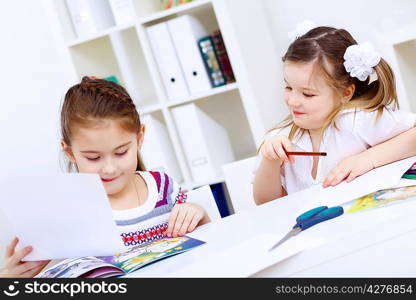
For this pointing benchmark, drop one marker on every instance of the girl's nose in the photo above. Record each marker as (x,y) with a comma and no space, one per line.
(109,167)
(292,102)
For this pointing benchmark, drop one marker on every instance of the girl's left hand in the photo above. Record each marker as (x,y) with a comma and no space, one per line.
(349,168)
(184,218)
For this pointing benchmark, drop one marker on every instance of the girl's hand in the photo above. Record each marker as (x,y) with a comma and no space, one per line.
(275,149)
(184,218)
(349,168)
(15,268)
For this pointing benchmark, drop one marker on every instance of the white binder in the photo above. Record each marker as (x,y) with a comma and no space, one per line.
(89,16)
(205,142)
(157,150)
(167,61)
(123,11)
(186,31)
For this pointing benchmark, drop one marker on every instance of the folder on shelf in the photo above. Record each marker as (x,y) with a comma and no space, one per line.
(89,16)
(167,61)
(123,11)
(157,150)
(185,32)
(205,142)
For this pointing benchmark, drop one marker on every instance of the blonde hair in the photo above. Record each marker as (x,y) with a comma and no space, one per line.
(328,45)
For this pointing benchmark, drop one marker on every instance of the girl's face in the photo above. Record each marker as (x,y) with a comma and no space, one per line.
(107,150)
(308,96)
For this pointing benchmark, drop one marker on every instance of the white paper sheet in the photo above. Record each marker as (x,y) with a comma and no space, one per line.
(406,182)
(60,215)
(384,177)
(249,257)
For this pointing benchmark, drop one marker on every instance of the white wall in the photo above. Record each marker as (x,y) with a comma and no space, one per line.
(371,20)
(33,80)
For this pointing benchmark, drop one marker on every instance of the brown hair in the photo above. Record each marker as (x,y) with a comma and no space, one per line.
(93,99)
(327,45)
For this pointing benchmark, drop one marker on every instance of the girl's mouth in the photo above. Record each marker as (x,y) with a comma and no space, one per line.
(108,179)
(298,113)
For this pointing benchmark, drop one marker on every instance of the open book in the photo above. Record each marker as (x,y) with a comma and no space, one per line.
(383,197)
(122,263)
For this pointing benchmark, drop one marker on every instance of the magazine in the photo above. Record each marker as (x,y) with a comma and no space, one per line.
(383,197)
(120,264)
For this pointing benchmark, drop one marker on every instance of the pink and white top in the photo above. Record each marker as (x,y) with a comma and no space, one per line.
(148,222)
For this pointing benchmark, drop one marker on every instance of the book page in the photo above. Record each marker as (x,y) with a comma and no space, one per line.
(72,268)
(384,177)
(383,197)
(103,272)
(141,255)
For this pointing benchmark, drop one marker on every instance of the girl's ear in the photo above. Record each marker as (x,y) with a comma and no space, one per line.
(348,93)
(67,150)
(140,136)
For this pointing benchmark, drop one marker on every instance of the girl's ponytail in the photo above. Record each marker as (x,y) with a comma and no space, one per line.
(379,93)
(386,89)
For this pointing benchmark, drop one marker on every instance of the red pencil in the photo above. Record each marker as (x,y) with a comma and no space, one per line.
(307,153)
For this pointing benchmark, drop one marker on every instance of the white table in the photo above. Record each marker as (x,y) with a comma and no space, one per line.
(374,243)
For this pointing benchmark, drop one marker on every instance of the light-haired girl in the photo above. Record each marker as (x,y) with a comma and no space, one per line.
(335,107)
(102,133)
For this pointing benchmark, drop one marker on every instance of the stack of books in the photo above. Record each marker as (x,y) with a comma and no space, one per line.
(166,4)
(216,59)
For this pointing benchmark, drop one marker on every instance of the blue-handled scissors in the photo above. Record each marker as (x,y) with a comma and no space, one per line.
(311,218)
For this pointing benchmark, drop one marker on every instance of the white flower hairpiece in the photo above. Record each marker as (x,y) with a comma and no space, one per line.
(360,60)
(301,29)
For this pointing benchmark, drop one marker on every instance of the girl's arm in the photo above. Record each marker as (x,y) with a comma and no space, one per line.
(397,148)
(267,185)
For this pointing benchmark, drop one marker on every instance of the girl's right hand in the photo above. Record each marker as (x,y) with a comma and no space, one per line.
(15,267)
(275,149)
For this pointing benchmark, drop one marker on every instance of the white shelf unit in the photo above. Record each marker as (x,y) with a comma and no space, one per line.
(244,108)
(404,46)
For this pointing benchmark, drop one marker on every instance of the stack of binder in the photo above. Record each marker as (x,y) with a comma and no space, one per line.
(89,16)
(157,150)
(205,142)
(165,56)
(123,11)
(176,52)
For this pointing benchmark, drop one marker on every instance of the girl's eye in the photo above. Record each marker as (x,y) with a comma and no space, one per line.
(308,95)
(93,158)
(122,153)
(288,88)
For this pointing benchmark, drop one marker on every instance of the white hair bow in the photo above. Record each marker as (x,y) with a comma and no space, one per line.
(360,60)
(301,29)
